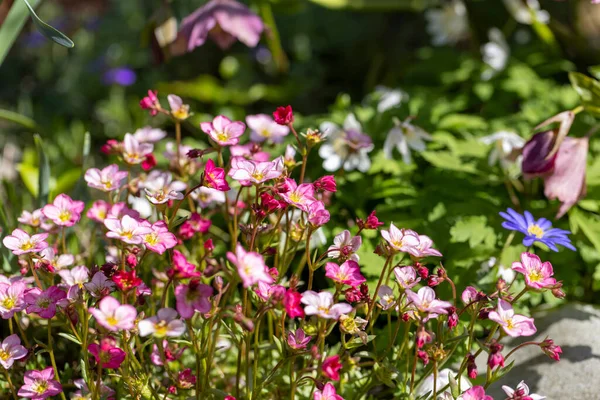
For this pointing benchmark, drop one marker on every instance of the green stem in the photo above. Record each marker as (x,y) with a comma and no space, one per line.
(10,384)
(372,305)
(273,39)
(52,359)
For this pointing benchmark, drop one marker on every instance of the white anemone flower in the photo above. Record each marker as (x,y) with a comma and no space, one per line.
(526,12)
(346,147)
(506,146)
(449,24)
(495,54)
(405,136)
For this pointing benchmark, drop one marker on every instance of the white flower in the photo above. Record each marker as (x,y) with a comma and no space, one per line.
(426,387)
(495,53)
(522,392)
(388,98)
(506,146)
(522,11)
(449,24)
(160,187)
(148,134)
(346,147)
(208,197)
(405,136)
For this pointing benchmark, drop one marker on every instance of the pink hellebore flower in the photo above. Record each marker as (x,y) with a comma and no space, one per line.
(19,242)
(164,323)
(328,393)
(160,239)
(345,246)
(424,247)
(521,393)
(64,211)
(514,325)
(263,127)
(404,240)
(107,179)
(11,350)
(135,152)
(331,367)
(107,354)
(475,393)
(298,340)
(250,265)
(321,304)
(346,274)
(300,196)
(127,229)
(44,302)
(224,21)
(160,187)
(538,275)
(12,298)
(317,214)
(179,110)
(112,315)
(215,177)
(425,301)
(40,385)
(193,297)
(182,268)
(406,277)
(223,131)
(255,172)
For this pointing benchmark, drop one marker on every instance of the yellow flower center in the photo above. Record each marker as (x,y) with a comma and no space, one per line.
(28,245)
(8,303)
(160,329)
(295,197)
(258,175)
(112,321)
(181,113)
(107,184)
(222,137)
(535,276)
(265,133)
(64,216)
(324,310)
(127,234)
(151,239)
(4,355)
(398,243)
(39,387)
(536,231)
(509,324)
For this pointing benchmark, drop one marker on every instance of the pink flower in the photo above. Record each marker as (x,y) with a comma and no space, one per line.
(172,353)
(328,393)
(263,127)
(521,393)
(224,21)
(160,239)
(250,151)
(404,240)
(300,196)
(550,349)
(77,276)
(84,393)
(107,354)
(469,295)
(127,280)
(12,298)
(44,302)
(112,315)
(321,304)
(107,180)
(325,184)
(40,385)
(215,177)
(346,274)
(150,102)
(250,265)
(270,292)
(193,225)
(48,259)
(35,219)
(475,393)
(21,243)
(292,303)
(179,110)
(149,134)
(164,323)
(127,229)
(298,340)
(160,187)
(406,277)
(193,297)
(255,172)
(119,210)
(11,350)
(64,211)
(424,247)
(182,268)
(98,211)
(538,275)
(317,214)
(100,285)
(514,325)
(372,222)
(331,367)
(135,152)
(283,115)
(223,131)
(425,302)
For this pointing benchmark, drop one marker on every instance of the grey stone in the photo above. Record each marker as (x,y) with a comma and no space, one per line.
(574,327)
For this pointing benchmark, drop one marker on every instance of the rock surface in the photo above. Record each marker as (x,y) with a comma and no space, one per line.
(574,327)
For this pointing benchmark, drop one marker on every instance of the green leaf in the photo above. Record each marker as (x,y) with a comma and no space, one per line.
(29,174)
(588,223)
(589,91)
(14,22)
(66,181)
(474,230)
(462,122)
(17,118)
(48,31)
(447,160)
(44,172)
(70,337)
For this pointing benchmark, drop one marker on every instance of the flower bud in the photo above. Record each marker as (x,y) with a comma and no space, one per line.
(423,356)
(283,115)
(550,349)
(471,366)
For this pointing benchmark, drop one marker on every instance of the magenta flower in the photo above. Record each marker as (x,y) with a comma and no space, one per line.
(107,354)
(43,303)
(193,297)
(521,393)
(345,246)
(150,102)
(263,128)
(112,315)
(182,268)
(406,277)
(107,180)
(127,229)
(250,265)
(164,323)
(425,302)
(328,393)
(514,325)
(215,177)
(322,305)
(160,187)
(283,115)
(298,340)
(550,349)
(424,247)
(223,131)
(64,211)
(346,274)
(300,196)
(12,298)
(11,350)
(40,385)
(160,239)
(475,393)
(171,350)
(98,211)
(270,292)
(223,21)
(538,275)
(255,172)
(135,152)
(404,240)
(21,243)
(331,367)
(292,302)
(317,214)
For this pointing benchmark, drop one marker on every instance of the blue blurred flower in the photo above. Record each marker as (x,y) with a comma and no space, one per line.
(121,76)
(536,231)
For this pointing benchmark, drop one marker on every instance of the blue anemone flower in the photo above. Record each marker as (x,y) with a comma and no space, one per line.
(536,231)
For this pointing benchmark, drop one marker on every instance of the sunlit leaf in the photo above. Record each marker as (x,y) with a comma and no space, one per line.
(48,31)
